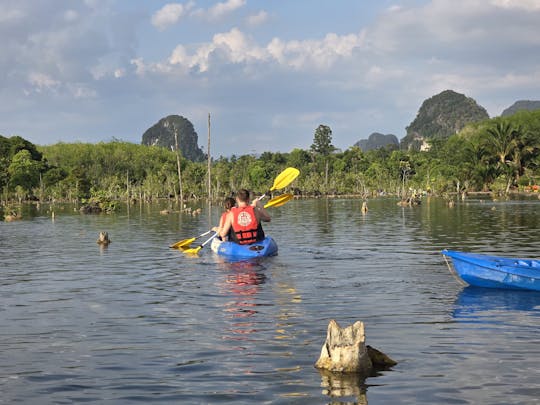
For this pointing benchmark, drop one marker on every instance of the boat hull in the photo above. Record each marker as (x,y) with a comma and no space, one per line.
(494,271)
(266,247)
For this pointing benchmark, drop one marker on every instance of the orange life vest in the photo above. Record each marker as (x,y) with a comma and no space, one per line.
(245,224)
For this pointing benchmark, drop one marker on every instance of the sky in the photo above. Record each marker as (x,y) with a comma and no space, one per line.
(268,72)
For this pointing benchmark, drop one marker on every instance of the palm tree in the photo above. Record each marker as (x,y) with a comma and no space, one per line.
(505,143)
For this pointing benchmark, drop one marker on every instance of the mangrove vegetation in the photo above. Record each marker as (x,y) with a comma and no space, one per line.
(498,155)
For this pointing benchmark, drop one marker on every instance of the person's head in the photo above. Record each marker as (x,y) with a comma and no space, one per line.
(229,203)
(243,195)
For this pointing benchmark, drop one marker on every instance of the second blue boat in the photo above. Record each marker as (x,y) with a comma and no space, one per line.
(495,271)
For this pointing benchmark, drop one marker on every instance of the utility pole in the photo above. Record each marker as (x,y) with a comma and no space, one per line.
(179,169)
(209,162)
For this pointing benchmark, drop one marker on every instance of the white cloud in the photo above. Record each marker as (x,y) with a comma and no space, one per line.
(394,8)
(118,73)
(169,14)
(257,19)
(140,67)
(532,5)
(220,9)
(41,82)
(234,47)
(321,54)
(458,27)
(81,91)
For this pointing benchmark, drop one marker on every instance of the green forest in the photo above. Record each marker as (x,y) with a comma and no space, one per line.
(499,155)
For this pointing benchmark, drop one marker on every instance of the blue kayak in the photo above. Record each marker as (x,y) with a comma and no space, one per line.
(495,271)
(264,248)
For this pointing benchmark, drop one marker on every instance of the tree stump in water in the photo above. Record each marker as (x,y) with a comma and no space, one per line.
(364,207)
(103,239)
(345,351)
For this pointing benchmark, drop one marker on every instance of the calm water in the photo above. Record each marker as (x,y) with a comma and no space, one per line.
(139,322)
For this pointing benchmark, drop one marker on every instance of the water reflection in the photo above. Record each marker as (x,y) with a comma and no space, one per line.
(472,301)
(241,282)
(341,385)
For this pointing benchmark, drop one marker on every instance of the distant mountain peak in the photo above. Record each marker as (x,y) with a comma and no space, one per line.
(521,105)
(376,141)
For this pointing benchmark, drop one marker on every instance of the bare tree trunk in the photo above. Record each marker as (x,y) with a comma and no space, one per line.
(508,184)
(127,186)
(326,176)
(41,188)
(179,169)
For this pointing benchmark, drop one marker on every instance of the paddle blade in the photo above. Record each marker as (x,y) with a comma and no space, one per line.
(192,251)
(279,200)
(285,178)
(183,243)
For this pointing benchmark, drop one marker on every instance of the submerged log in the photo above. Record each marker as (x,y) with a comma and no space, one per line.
(90,209)
(345,351)
(12,216)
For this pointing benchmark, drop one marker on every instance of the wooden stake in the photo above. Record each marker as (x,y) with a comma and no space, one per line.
(209,162)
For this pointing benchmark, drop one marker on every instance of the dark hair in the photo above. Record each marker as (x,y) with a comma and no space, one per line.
(243,195)
(229,203)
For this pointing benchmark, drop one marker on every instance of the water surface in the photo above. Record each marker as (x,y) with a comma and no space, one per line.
(139,322)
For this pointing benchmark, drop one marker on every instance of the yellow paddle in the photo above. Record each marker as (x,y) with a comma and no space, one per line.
(279,200)
(195,250)
(285,178)
(186,242)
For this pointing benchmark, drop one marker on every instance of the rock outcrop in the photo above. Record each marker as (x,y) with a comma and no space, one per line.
(162,134)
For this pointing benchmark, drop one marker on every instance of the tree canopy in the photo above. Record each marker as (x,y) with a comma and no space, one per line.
(500,154)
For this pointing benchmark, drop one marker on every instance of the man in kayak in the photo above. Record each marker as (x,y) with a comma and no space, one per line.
(245,220)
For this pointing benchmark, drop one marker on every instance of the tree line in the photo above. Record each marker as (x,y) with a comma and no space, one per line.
(499,154)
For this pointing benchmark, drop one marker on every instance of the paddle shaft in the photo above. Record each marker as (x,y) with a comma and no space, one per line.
(189,241)
(196,249)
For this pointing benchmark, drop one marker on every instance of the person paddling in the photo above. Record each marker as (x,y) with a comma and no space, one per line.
(227,204)
(245,220)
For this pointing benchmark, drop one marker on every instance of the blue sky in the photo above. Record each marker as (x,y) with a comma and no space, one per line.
(269,72)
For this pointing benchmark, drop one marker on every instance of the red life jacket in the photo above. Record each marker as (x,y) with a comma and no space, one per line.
(245,224)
